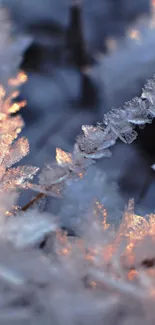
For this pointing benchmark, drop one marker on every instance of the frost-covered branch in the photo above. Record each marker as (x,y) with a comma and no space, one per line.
(96,142)
(104,275)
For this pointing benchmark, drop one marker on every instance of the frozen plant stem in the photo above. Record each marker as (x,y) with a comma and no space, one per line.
(30,204)
(95,142)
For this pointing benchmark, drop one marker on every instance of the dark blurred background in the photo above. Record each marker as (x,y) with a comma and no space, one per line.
(86,57)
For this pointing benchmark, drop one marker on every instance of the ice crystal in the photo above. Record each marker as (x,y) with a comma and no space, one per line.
(92,278)
(62,157)
(18,150)
(52,174)
(16,177)
(96,142)
(103,275)
(12,150)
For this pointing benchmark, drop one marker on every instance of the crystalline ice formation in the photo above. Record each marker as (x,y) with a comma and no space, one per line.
(11,149)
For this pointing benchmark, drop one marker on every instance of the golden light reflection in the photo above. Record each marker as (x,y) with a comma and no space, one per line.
(20,79)
(8,213)
(134,34)
(63,157)
(2,92)
(16,107)
(104,255)
(64,247)
(15,94)
(93,284)
(152,20)
(132,274)
(7,107)
(2,116)
(18,130)
(107,252)
(100,212)
(81,175)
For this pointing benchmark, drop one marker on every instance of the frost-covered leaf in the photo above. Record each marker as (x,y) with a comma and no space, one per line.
(53,174)
(12,125)
(17,151)
(11,149)
(5,142)
(63,158)
(18,176)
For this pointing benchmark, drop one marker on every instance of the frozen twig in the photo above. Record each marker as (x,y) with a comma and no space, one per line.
(96,142)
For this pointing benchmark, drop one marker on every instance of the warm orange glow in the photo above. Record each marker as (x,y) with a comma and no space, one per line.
(63,157)
(21,78)
(7,213)
(15,94)
(89,258)
(17,106)
(107,252)
(93,284)
(132,275)
(64,251)
(2,92)
(152,20)
(81,175)
(99,210)
(130,247)
(18,130)
(64,247)
(2,116)
(134,34)
(7,107)
(153,3)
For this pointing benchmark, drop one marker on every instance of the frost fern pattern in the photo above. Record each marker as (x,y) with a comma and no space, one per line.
(12,149)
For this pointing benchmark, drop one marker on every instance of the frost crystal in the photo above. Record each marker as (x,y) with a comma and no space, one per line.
(52,174)
(95,142)
(63,158)
(136,112)
(16,177)
(12,150)
(47,276)
(94,139)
